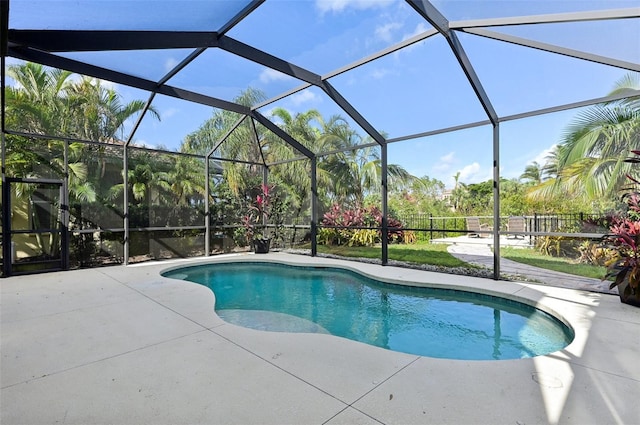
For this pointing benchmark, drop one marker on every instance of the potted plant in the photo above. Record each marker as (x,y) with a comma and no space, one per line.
(624,264)
(255,220)
(624,243)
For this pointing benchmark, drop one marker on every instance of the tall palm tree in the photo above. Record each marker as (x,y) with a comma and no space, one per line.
(185,181)
(294,177)
(358,172)
(48,101)
(532,173)
(241,144)
(550,167)
(99,114)
(591,155)
(36,103)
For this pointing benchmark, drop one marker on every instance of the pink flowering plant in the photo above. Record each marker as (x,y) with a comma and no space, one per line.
(365,223)
(257,214)
(623,267)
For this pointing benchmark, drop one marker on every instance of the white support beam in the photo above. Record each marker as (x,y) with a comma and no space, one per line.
(554,49)
(594,15)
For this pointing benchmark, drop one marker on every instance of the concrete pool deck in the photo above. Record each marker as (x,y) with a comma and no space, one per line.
(123,345)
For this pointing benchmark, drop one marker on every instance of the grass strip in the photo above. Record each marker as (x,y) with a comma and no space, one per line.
(432,254)
(559,264)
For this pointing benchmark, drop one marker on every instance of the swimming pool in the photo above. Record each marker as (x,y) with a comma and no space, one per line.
(432,322)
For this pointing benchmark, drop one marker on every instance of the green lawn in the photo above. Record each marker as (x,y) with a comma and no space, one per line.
(534,258)
(437,255)
(433,254)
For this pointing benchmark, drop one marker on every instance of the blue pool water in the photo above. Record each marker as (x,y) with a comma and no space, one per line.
(424,321)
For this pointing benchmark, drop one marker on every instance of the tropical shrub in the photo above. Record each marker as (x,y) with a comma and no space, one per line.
(365,223)
(624,240)
(265,215)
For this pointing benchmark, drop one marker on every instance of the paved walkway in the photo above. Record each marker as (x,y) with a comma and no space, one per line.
(124,345)
(481,254)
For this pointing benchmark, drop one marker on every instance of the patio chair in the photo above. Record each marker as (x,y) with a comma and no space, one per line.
(475,227)
(516,224)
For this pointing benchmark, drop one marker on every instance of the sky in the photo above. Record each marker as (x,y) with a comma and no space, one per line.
(418,89)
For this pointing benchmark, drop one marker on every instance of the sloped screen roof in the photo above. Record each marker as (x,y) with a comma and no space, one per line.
(396,69)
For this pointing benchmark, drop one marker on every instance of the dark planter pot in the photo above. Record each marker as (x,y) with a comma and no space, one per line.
(261,246)
(627,296)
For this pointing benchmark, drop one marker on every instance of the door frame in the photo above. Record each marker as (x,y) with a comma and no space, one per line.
(8,232)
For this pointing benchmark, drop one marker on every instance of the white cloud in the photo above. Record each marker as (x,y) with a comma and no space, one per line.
(170,63)
(448,158)
(470,173)
(275,119)
(143,144)
(385,31)
(109,85)
(337,6)
(441,167)
(379,73)
(420,28)
(305,96)
(168,113)
(445,162)
(267,75)
(541,158)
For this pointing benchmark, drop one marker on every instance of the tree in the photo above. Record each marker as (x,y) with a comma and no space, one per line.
(550,167)
(49,102)
(532,173)
(591,155)
(243,144)
(358,172)
(422,196)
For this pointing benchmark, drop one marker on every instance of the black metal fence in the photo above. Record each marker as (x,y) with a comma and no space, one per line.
(427,226)
(97,236)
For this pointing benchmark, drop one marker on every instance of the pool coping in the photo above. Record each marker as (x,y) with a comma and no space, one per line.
(124,344)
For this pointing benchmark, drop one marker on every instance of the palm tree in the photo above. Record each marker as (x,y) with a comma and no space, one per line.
(47,101)
(532,173)
(36,103)
(591,155)
(239,145)
(294,178)
(185,181)
(550,167)
(358,172)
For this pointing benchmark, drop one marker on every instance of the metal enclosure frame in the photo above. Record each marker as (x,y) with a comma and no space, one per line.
(41,46)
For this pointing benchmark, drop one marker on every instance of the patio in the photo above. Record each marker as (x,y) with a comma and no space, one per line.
(124,345)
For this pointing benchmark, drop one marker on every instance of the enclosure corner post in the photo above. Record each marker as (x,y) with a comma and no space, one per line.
(125,182)
(6,216)
(385,210)
(314,208)
(6,196)
(496,201)
(265,183)
(65,234)
(207,209)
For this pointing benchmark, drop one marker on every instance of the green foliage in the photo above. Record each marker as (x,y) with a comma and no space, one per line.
(343,226)
(422,196)
(363,237)
(593,253)
(558,246)
(589,163)
(512,198)
(624,244)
